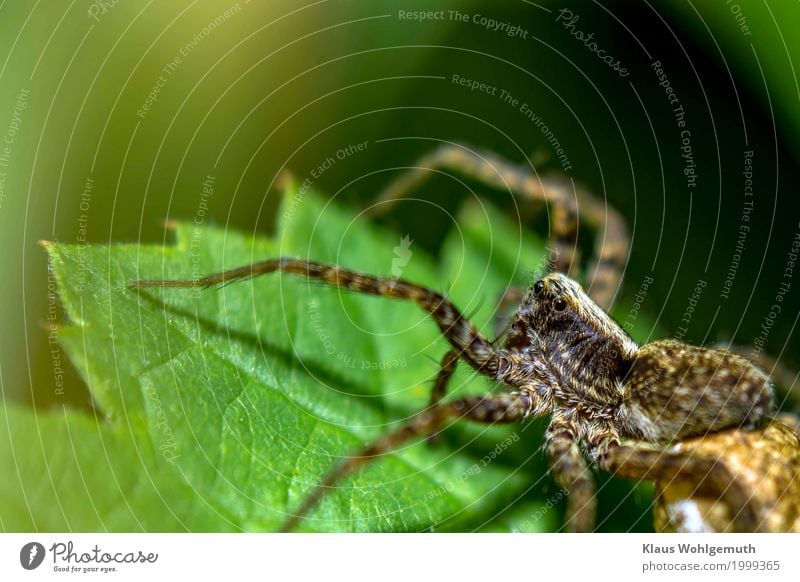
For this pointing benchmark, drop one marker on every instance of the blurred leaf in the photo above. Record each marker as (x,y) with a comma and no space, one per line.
(66,472)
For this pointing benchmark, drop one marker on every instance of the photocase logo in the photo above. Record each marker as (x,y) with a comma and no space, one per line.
(402,255)
(31,555)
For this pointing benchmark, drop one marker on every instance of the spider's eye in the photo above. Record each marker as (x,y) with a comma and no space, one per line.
(559,304)
(538,287)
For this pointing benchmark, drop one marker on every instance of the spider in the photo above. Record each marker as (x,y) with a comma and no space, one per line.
(611,402)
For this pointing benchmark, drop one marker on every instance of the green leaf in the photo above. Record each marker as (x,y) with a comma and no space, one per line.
(221,409)
(66,471)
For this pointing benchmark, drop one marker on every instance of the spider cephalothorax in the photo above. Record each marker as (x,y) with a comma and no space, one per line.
(609,400)
(663,391)
(586,351)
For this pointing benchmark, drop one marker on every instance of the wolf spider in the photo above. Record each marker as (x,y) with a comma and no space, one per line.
(610,400)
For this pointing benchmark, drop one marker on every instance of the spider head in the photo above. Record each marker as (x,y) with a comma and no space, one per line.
(556,303)
(562,318)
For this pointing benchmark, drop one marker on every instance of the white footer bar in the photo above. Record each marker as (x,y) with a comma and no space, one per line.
(400,557)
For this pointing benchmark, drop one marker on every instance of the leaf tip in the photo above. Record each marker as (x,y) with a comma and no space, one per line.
(50,247)
(49,325)
(285,181)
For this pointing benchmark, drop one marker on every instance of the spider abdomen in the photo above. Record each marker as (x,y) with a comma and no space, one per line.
(675,390)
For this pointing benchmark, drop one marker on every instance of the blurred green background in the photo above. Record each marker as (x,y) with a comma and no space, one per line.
(115,114)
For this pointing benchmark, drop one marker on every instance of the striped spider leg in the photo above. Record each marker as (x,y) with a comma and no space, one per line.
(529,379)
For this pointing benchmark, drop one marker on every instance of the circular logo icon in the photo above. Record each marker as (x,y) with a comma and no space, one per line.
(31,555)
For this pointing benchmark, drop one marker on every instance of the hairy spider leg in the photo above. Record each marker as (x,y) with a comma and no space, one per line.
(513,340)
(637,462)
(462,335)
(467,342)
(447,368)
(500,408)
(572,473)
(569,203)
(501,175)
(640,462)
(767,459)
